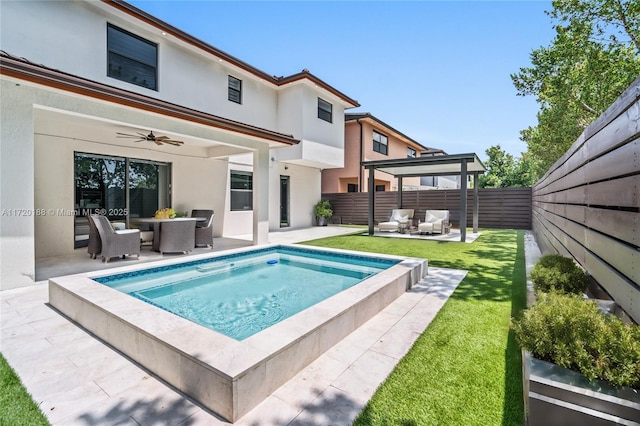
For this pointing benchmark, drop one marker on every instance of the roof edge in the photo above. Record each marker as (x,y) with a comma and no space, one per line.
(21,68)
(196,42)
(307,74)
(362,115)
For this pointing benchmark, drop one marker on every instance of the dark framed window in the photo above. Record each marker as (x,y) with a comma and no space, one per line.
(380,143)
(325,110)
(411,153)
(235,90)
(119,187)
(131,58)
(241,190)
(379,188)
(352,187)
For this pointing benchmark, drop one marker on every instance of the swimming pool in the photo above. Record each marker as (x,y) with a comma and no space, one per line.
(243,294)
(225,375)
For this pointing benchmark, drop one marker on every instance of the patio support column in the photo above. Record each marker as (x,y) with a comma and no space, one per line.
(261,195)
(476,203)
(400,192)
(463,200)
(372,199)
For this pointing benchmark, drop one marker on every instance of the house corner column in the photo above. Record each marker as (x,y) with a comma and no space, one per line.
(261,195)
(17,180)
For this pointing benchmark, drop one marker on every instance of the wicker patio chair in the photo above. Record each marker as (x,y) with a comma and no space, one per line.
(116,243)
(177,236)
(95,243)
(204,230)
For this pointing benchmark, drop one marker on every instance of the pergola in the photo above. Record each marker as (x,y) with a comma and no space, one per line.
(438,165)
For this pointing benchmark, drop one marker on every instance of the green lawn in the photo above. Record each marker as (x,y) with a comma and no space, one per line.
(16,406)
(465,368)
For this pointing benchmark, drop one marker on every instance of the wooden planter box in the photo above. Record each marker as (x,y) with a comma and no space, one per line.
(554,395)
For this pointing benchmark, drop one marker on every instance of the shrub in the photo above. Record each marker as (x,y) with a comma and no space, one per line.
(573,333)
(554,271)
(323,209)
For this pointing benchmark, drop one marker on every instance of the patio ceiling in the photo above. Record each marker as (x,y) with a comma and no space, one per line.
(428,166)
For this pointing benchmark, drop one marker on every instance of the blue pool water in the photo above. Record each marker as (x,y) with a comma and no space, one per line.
(241,294)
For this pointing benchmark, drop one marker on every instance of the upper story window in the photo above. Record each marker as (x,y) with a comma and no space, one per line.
(411,153)
(380,143)
(131,58)
(235,90)
(241,190)
(325,110)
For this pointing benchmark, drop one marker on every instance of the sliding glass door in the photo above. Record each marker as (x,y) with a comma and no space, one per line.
(119,188)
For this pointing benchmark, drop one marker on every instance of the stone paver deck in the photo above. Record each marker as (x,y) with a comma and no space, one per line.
(79,380)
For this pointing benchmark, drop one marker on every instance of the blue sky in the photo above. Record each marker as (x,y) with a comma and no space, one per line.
(438,71)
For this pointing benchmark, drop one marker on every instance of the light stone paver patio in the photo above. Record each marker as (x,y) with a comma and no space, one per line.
(78,380)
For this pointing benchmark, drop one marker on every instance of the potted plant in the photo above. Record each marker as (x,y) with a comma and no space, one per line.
(323,212)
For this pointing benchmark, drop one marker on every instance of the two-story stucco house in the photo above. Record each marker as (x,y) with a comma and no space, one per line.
(367,138)
(78,77)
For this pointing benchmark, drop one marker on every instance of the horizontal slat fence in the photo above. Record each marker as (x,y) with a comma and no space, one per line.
(501,208)
(587,205)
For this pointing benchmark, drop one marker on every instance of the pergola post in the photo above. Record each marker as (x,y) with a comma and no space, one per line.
(372,199)
(399,192)
(476,203)
(463,200)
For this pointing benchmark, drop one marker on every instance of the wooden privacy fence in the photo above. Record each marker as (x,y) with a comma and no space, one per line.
(503,208)
(587,204)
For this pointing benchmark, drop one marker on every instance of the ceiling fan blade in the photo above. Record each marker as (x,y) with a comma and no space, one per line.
(125,135)
(157,142)
(172,142)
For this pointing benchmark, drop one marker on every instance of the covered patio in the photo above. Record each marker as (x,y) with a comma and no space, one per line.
(462,165)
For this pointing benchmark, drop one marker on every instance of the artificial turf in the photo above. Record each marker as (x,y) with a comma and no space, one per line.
(465,369)
(16,406)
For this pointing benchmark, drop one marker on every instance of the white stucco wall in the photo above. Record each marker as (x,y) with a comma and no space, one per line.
(304,193)
(54,187)
(186,76)
(16,193)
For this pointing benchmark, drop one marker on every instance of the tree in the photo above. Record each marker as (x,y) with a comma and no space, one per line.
(504,171)
(594,57)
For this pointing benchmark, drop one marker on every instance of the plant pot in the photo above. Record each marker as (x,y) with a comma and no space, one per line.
(554,395)
(321,221)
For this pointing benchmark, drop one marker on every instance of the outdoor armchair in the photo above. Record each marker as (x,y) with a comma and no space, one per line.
(177,235)
(116,243)
(435,222)
(204,230)
(398,216)
(95,243)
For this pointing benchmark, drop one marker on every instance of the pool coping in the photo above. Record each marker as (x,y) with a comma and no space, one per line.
(226,376)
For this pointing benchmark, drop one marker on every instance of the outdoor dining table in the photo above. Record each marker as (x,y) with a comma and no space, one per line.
(158,230)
